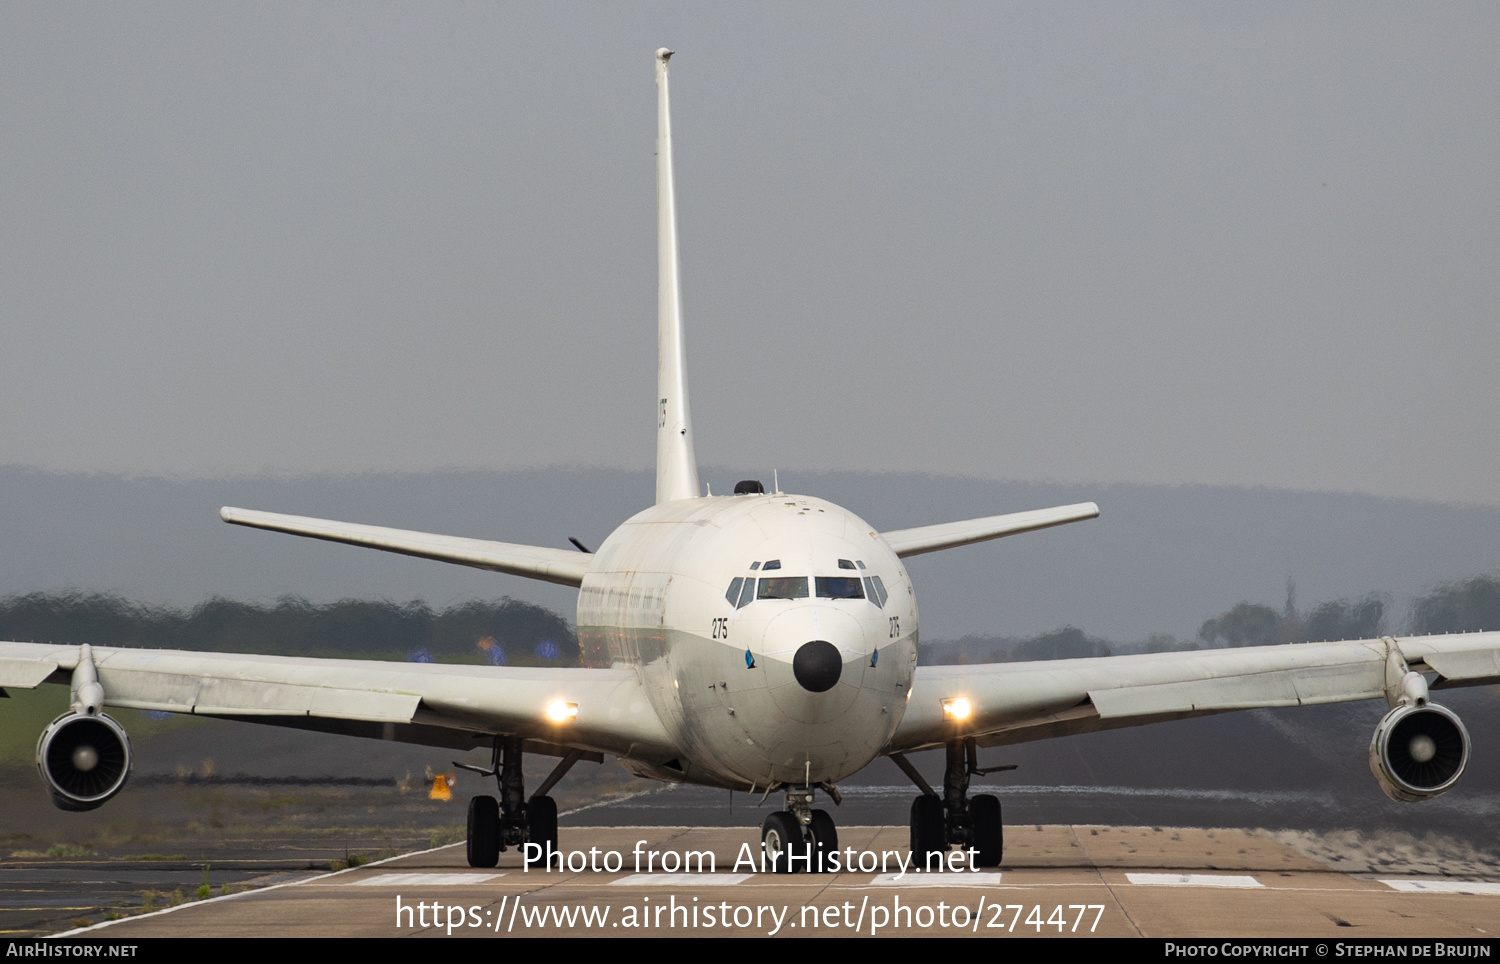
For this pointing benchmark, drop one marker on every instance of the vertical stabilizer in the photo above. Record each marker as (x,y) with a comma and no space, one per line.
(676,465)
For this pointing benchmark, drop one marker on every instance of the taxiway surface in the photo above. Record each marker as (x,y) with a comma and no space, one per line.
(1069,881)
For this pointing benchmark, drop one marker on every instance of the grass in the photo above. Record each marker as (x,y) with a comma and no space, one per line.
(56,850)
(444,836)
(28,712)
(361,858)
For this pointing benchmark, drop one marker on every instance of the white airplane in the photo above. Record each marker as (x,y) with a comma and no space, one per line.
(758,641)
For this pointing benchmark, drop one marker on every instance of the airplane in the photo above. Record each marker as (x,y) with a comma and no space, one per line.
(756,641)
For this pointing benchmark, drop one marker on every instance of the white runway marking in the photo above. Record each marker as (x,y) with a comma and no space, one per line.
(1444,886)
(423,880)
(1194,880)
(680,880)
(959,879)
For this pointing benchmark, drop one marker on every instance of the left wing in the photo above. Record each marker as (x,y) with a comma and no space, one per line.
(1020,702)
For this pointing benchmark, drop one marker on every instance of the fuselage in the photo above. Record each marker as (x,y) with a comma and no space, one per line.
(776,635)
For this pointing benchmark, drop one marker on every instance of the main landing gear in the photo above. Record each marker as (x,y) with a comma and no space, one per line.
(513,821)
(800,839)
(940,822)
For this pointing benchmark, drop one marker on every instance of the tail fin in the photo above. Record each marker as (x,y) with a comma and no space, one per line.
(676,465)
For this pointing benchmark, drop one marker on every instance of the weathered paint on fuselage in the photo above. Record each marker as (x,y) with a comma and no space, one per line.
(655,600)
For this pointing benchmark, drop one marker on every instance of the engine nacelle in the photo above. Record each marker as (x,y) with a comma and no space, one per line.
(1418,752)
(83,759)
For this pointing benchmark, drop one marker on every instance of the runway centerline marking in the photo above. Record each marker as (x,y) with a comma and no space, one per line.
(423,880)
(680,880)
(1410,886)
(962,879)
(1194,880)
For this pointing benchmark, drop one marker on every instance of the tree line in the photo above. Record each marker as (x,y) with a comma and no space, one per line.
(503,632)
(1465,606)
(509,632)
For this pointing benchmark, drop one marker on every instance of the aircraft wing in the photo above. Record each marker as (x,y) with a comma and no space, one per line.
(1020,702)
(562,566)
(948,535)
(435,704)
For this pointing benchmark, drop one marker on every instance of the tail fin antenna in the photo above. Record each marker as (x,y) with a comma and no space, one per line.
(676,464)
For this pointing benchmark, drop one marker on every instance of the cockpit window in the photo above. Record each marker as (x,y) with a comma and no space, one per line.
(875,590)
(773,564)
(839,587)
(783,587)
(754,565)
(733,594)
(845,564)
(747,595)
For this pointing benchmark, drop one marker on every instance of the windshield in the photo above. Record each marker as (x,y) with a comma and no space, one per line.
(783,587)
(840,587)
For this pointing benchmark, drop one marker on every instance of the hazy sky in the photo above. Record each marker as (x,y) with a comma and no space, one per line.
(1237,244)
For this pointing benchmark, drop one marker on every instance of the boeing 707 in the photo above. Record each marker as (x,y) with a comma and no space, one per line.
(756,641)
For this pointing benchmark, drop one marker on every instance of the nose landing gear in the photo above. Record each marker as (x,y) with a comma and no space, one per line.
(800,839)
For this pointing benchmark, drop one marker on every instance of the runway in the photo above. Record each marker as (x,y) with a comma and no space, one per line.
(1070,881)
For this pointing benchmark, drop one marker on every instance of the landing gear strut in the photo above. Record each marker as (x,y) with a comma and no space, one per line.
(939,822)
(512,821)
(800,839)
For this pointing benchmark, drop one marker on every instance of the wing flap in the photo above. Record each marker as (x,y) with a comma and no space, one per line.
(947,535)
(25,674)
(562,566)
(1314,684)
(238,697)
(1470,667)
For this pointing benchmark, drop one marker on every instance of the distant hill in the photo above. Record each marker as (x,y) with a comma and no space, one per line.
(1159,560)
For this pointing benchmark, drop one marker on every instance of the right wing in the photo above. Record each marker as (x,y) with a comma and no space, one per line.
(435,704)
(562,566)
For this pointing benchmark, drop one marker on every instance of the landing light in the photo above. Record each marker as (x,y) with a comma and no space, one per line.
(561,712)
(957,708)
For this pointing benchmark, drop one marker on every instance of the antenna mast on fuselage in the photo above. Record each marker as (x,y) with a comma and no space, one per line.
(676,465)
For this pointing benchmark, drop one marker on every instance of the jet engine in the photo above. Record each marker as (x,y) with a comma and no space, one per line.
(1418,752)
(84,760)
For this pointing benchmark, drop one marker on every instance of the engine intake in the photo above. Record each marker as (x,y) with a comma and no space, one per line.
(83,759)
(1418,752)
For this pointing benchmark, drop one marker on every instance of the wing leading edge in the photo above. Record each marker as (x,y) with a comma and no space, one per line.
(1021,702)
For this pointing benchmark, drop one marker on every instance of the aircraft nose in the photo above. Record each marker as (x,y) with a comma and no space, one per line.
(814,663)
(817,666)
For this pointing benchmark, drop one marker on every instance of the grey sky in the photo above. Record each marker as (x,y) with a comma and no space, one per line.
(1229,244)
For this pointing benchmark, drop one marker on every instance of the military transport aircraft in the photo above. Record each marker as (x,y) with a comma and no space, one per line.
(757,641)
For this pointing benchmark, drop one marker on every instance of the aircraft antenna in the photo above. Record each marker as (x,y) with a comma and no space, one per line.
(676,464)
